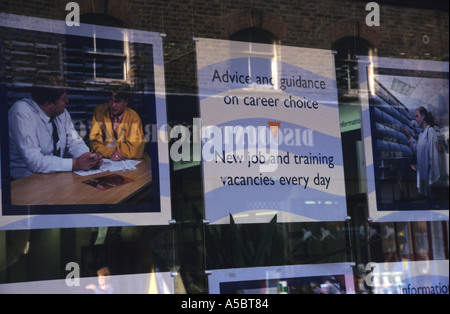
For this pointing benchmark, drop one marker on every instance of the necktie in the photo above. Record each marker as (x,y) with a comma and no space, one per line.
(55,136)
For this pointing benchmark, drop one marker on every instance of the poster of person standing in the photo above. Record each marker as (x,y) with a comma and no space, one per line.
(406,133)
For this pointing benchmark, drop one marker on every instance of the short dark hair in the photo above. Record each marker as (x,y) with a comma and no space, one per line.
(47,89)
(104,271)
(123,92)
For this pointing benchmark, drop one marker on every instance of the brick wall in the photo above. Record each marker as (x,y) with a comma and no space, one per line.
(305,23)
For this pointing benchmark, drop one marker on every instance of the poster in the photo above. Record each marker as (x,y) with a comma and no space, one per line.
(270,140)
(391,92)
(149,283)
(97,66)
(412,277)
(296,279)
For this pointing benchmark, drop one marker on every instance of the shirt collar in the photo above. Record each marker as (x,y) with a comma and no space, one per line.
(120,117)
(39,111)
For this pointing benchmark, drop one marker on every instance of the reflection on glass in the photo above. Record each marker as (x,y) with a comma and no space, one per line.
(104,282)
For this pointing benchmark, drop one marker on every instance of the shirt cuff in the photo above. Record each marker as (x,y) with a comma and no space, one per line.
(67,164)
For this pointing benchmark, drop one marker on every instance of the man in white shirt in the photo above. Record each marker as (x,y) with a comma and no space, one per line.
(42,138)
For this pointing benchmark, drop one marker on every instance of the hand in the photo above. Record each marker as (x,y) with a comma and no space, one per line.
(406,131)
(99,159)
(86,161)
(116,156)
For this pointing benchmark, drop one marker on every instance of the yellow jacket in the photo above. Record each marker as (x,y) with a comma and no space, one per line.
(129,139)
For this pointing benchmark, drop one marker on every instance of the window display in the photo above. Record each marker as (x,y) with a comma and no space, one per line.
(198,147)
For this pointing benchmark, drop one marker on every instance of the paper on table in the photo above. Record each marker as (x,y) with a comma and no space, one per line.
(109,165)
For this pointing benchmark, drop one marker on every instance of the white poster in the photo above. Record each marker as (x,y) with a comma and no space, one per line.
(150,283)
(412,277)
(405,110)
(95,68)
(270,135)
(296,279)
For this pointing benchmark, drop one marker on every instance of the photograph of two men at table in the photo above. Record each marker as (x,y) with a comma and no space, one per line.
(42,137)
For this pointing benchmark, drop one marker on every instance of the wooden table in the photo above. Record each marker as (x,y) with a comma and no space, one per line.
(67,188)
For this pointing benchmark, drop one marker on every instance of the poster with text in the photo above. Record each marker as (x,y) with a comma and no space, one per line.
(83,128)
(297,279)
(412,277)
(270,139)
(405,110)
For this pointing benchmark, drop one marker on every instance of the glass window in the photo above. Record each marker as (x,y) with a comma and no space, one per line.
(329,79)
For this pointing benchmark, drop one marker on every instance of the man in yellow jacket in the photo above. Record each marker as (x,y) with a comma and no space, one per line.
(116,131)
